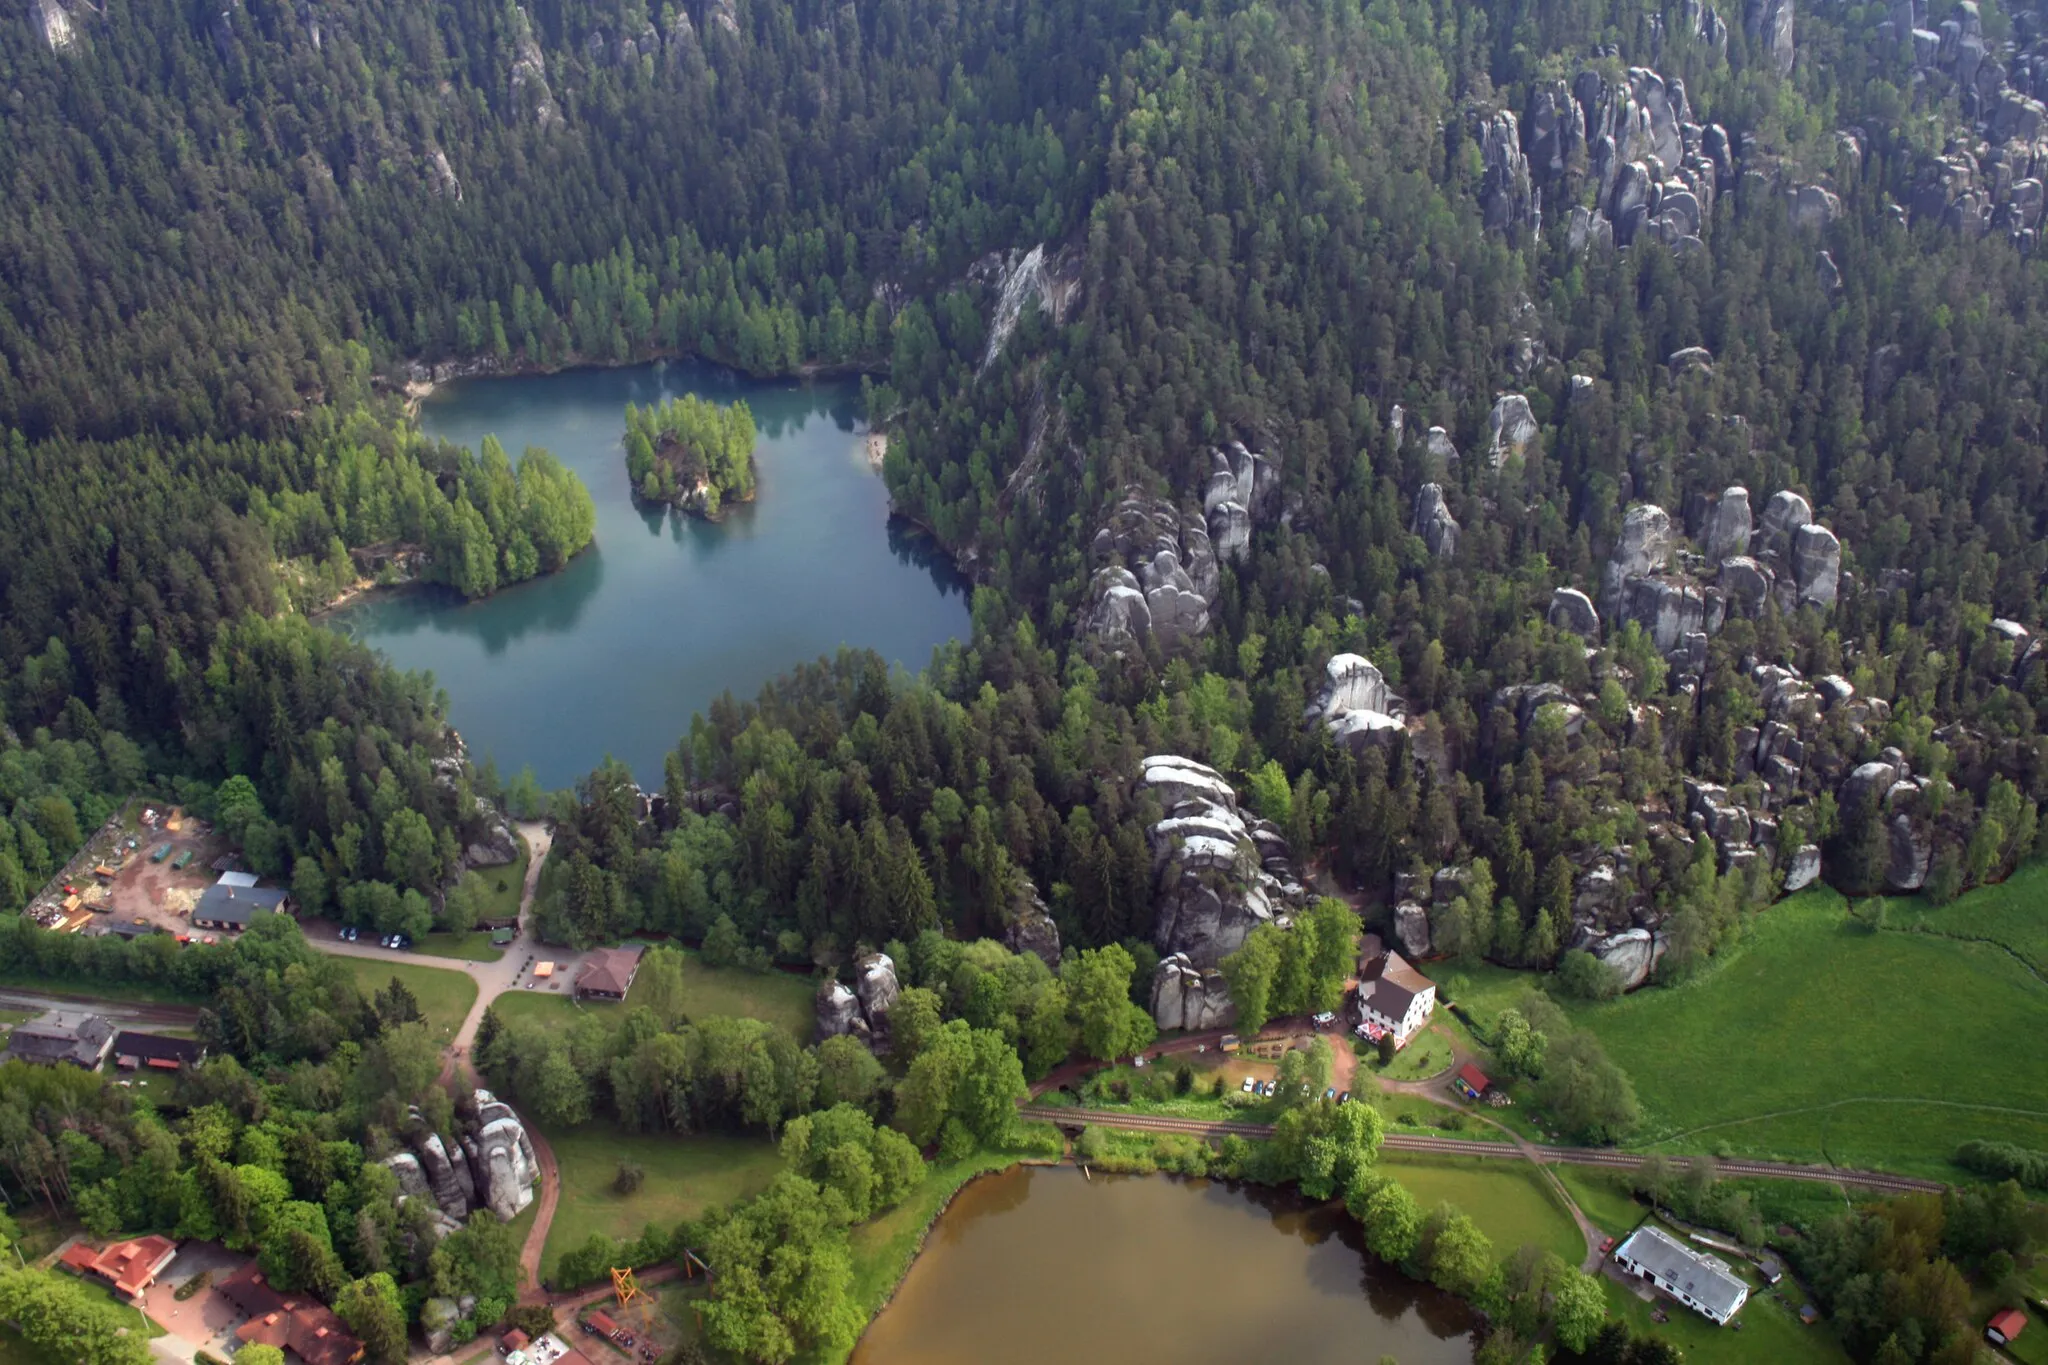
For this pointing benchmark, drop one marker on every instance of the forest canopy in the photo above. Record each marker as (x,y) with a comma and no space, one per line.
(693,452)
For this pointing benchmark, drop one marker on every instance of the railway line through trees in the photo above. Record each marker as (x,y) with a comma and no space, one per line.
(1421,1144)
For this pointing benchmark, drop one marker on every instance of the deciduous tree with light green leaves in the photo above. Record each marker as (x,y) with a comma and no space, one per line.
(1578,1308)
(1098,982)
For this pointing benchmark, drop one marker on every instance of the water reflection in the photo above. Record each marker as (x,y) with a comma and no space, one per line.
(1153,1268)
(912,544)
(614,653)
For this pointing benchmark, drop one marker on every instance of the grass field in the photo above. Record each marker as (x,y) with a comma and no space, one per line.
(685,1176)
(2008,914)
(1603,1196)
(1770,1331)
(1413,1114)
(1822,1040)
(1511,1203)
(773,997)
(505,884)
(474,946)
(445,995)
(1424,1057)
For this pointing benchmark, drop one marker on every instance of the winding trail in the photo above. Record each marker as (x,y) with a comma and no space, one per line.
(458,1068)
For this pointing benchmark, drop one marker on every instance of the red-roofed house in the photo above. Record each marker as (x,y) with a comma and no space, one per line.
(2004,1326)
(131,1267)
(295,1322)
(1471,1082)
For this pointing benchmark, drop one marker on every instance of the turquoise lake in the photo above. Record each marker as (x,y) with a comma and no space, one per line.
(664,612)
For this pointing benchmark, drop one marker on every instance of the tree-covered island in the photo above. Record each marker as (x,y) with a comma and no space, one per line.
(691,453)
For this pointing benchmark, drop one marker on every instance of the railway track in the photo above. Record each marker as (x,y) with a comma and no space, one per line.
(1469,1147)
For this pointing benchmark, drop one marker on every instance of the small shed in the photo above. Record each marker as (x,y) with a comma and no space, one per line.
(1771,1268)
(514,1340)
(1471,1082)
(2004,1326)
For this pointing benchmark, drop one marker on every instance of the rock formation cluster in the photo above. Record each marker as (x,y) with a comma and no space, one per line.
(1157,564)
(1220,872)
(493,1167)
(863,1009)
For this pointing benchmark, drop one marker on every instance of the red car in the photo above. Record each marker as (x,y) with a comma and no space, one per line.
(1606,1246)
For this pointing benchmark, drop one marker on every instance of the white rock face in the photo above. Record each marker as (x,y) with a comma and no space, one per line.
(1350,683)
(835,1008)
(1221,872)
(877,988)
(503,1161)
(1354,703)
(1434,523)
(1509,428)
(1817,565)
(1572,610)
(1186,997)
(1024,280)
(1804,868)
(1632,955)
(1411,927)
(1726,532)
(1783,515)
(56,24)
(1643,548)
(530,89)
(1157,576)
(1439,444)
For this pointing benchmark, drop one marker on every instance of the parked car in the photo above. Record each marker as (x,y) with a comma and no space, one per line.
(1331,1093)
(1272,1088)
(1249,1085)
(402,941)
(1344,1098)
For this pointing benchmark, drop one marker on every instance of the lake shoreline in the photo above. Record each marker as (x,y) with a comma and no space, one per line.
(691,608)
(422,379)
(917,1246)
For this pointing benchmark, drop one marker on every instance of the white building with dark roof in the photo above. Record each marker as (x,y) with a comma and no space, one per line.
(1392,997)
(1701,1282)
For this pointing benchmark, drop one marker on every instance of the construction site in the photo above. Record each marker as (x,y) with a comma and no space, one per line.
(141,872)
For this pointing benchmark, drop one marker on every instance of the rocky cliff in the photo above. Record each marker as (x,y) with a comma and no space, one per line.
(1219,871)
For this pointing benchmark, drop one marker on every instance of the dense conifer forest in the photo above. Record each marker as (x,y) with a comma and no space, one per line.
(1552,476)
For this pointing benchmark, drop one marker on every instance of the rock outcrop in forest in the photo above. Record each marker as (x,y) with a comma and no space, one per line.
(491,1167)
(1220,871)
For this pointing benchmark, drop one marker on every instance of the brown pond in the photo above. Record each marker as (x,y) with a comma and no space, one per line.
(1041,1266)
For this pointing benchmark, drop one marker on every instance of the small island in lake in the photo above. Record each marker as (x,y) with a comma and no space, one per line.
(691,453)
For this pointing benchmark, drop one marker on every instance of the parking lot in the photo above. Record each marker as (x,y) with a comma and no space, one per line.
(206,1320)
